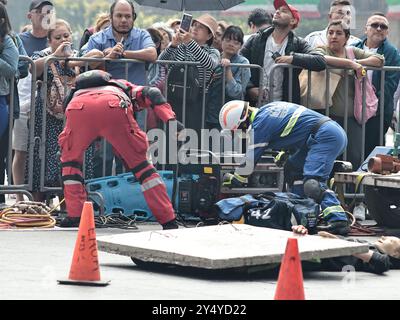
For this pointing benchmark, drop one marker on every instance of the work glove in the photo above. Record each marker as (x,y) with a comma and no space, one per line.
(179,126)
(281,158)
(234,180)
(335,227)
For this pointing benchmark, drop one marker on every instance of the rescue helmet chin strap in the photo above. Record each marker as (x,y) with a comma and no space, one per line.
(250,113)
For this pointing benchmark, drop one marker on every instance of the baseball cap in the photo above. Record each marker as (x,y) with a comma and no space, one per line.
(293,10)
(38,3)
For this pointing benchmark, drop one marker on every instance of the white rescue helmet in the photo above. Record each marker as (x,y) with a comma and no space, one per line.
(232,114)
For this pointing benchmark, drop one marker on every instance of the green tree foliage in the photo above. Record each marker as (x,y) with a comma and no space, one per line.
(82,13)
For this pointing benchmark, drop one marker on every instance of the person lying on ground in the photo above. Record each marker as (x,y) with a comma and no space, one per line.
(383,254)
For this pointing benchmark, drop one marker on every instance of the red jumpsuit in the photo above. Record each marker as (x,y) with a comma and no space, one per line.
(99,112)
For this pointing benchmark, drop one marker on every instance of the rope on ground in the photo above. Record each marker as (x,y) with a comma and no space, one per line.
(117,220)
(26,214)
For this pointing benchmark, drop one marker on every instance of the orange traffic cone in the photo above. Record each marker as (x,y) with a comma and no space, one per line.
(85,268)
(290,280)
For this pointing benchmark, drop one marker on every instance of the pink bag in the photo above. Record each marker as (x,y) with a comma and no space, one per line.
(371,101)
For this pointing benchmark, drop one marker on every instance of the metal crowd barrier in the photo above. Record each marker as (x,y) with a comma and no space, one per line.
(26,187)
(204,86)
(346,94)
(87,61)
(36,140)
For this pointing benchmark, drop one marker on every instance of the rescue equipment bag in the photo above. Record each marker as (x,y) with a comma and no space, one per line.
(278,210)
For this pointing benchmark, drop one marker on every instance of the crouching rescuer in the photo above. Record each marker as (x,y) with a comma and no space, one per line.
(315,142)
(99,106)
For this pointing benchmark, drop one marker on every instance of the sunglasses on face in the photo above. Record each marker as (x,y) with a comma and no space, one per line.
(379,25)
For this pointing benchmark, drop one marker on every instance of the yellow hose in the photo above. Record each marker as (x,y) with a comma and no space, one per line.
(27,214)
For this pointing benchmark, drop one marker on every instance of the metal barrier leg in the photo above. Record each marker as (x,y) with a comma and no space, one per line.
(24,192)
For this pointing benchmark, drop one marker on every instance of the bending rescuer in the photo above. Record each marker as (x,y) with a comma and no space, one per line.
(99,106)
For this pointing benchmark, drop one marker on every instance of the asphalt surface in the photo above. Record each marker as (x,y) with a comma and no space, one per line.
(32,262)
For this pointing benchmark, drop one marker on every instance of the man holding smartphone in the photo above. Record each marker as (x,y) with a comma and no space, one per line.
(123,40)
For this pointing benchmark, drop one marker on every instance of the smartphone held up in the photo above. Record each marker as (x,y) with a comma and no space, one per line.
(186,22)
(68,50)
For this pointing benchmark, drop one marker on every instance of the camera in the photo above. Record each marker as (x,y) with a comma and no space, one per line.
(68,50)
(275,55)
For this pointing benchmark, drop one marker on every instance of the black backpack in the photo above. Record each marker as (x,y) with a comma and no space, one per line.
(276,211)
(176,77)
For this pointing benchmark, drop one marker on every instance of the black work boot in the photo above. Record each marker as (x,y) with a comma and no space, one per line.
(335,227)
(170,225)
(70,222)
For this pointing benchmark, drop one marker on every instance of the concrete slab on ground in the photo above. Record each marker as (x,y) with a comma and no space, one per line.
(222,246)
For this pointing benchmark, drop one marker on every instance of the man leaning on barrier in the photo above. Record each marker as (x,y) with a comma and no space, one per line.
(101,107)
(123,40)
(316,142)
(276,45)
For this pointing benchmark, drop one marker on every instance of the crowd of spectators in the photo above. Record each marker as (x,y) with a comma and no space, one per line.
(221,52)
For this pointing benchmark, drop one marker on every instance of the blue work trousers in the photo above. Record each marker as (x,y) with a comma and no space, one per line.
(315,160)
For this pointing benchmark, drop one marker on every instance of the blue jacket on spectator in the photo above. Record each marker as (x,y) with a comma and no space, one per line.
(234,89)
(392,58)
(22,72)
(8,65)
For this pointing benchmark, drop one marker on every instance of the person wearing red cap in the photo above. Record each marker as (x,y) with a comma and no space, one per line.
(279,44)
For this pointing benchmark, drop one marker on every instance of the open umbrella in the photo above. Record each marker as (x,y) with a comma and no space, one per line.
(190,5)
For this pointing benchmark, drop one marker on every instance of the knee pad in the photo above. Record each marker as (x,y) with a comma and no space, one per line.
(154,95)
(314,190)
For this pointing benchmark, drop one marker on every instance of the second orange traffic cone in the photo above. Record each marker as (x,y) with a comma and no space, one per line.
(290,280)
(85,268)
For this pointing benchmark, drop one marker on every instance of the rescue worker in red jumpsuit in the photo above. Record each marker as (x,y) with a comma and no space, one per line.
(107,111)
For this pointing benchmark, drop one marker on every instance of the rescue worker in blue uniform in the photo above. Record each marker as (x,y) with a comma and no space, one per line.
(315,142)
